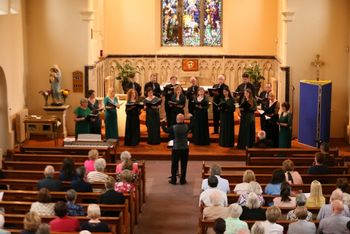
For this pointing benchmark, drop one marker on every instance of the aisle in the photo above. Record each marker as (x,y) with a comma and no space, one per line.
(170,209)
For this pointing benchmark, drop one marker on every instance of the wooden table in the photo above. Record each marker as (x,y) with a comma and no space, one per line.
(42,125)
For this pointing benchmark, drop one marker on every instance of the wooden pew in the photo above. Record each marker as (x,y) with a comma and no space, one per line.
(265,178)
(269,169)
(16,221)
(18,231)
(298,161)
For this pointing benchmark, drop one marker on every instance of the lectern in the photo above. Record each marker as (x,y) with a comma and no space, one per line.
(315,111)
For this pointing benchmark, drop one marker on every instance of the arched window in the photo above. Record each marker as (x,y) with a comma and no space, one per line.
(191,22)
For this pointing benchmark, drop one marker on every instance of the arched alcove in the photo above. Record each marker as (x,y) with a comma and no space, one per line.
(4,124)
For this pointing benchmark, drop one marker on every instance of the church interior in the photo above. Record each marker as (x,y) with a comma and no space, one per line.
(301,48)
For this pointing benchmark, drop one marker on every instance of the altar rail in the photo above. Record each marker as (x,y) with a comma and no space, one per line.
(102,75)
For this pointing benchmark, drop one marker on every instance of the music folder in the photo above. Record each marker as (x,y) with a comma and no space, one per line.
(149,104)
(214,91)
(245,105)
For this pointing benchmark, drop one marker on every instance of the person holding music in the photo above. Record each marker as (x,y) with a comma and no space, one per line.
(132,126)
(111,122)
(271,116)
(191,94)
(82,122)
(95,107)
(285,123)
(152,104)
(263,99)
(200,128)
(132,84)
(177,104)
(247,107)
(227,127)
(154,85)
(168,93)
(243,87)
(217,97)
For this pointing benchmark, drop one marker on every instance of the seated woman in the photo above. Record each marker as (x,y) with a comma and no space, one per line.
(126,184)
(73,208)
(302,225)
(243,187)
(43,206)
(125,158)
(89,164)
(301,201)
(274,187)
(273,213)
(94,224)
(292,177)
(254,187)
(31,223)
(342,184)
(68,170)
(233,223)
(252,210)
(63,223)
(98,175)
(285,199)
(316,198)
(215,210)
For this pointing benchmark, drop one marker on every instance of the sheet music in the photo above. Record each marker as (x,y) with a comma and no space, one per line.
(267,117)
(261,112)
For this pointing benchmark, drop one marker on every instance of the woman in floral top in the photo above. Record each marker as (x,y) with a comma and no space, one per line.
(301,200)
(126,184)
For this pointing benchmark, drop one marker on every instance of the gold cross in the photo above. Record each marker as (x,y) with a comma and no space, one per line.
(318,64)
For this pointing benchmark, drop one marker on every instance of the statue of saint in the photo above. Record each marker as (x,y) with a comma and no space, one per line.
(55,81)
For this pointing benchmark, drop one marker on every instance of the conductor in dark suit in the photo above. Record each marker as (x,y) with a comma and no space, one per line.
(218,96)
(244,86)
(191,94)
(179,152)
(154,85)
(132,84)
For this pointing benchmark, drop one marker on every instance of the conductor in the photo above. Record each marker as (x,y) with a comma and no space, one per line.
(179,152)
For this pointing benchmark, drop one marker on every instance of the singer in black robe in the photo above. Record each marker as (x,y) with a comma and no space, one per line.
(200,128)
(272,128)
(216,99)
(95,124)
(191,94)
(168,93)
(132,126)
(227,127)
(152,104)
(177,104)
(244,86)
(154,85)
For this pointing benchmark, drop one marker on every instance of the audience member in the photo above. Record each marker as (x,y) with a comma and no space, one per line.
(219,226)
(98,175)
(31,223)
(318,167)
(301,201)
(73,209)
(126,163)
(316,198)
(243,187)
(285,199)
(233,223)
(90,163)
(342,184)
(43,206)
(274,187)
(254,187)
(94,224)
(335,223)
(126,184)
(68,170)
(79,185)
(49,182)
(302,225)
(111,197)
(44,228)
(2,222)
(292,177)
(223,184)
(252,210)
(272,215)
(63,223)
(205,195)
(257,228)
(329,159)
(262,142)
(215,210)
(326,210)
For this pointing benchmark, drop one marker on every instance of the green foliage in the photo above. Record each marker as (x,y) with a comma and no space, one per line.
(254,72)
(125,72)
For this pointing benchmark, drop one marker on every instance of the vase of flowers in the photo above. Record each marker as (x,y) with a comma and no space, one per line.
(64,94)
(45,94)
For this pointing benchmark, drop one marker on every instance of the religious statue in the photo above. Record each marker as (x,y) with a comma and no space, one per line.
(55,81)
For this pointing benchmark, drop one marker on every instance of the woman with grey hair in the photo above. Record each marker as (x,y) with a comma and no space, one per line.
(94,224)
(233,223)
(126,163)
(98,175)
(252,210)
(82,124)
(301,201)
(257,228)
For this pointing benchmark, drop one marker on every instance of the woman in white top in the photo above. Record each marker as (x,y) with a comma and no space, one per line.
(242,188)
(272,215)
(285,200)
(43,206)
(292,177)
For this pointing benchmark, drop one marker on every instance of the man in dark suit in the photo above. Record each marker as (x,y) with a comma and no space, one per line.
(263,99)
(218,95)
(191,94)
(154,85)
(243,86)
(111,197)
(179,151)
(168,93)
(79,185)
(132,84)
(49,182)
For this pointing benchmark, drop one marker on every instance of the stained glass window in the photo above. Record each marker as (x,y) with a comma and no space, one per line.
(191,22)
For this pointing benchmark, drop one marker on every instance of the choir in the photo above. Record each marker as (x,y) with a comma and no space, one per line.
(224,103)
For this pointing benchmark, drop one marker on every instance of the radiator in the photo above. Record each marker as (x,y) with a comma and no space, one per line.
(20,126)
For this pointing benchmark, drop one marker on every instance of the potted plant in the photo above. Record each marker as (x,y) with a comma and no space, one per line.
(125,72)
(255,76)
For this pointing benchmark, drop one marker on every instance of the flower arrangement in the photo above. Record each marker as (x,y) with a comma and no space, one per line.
(45,94)
(64,94)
